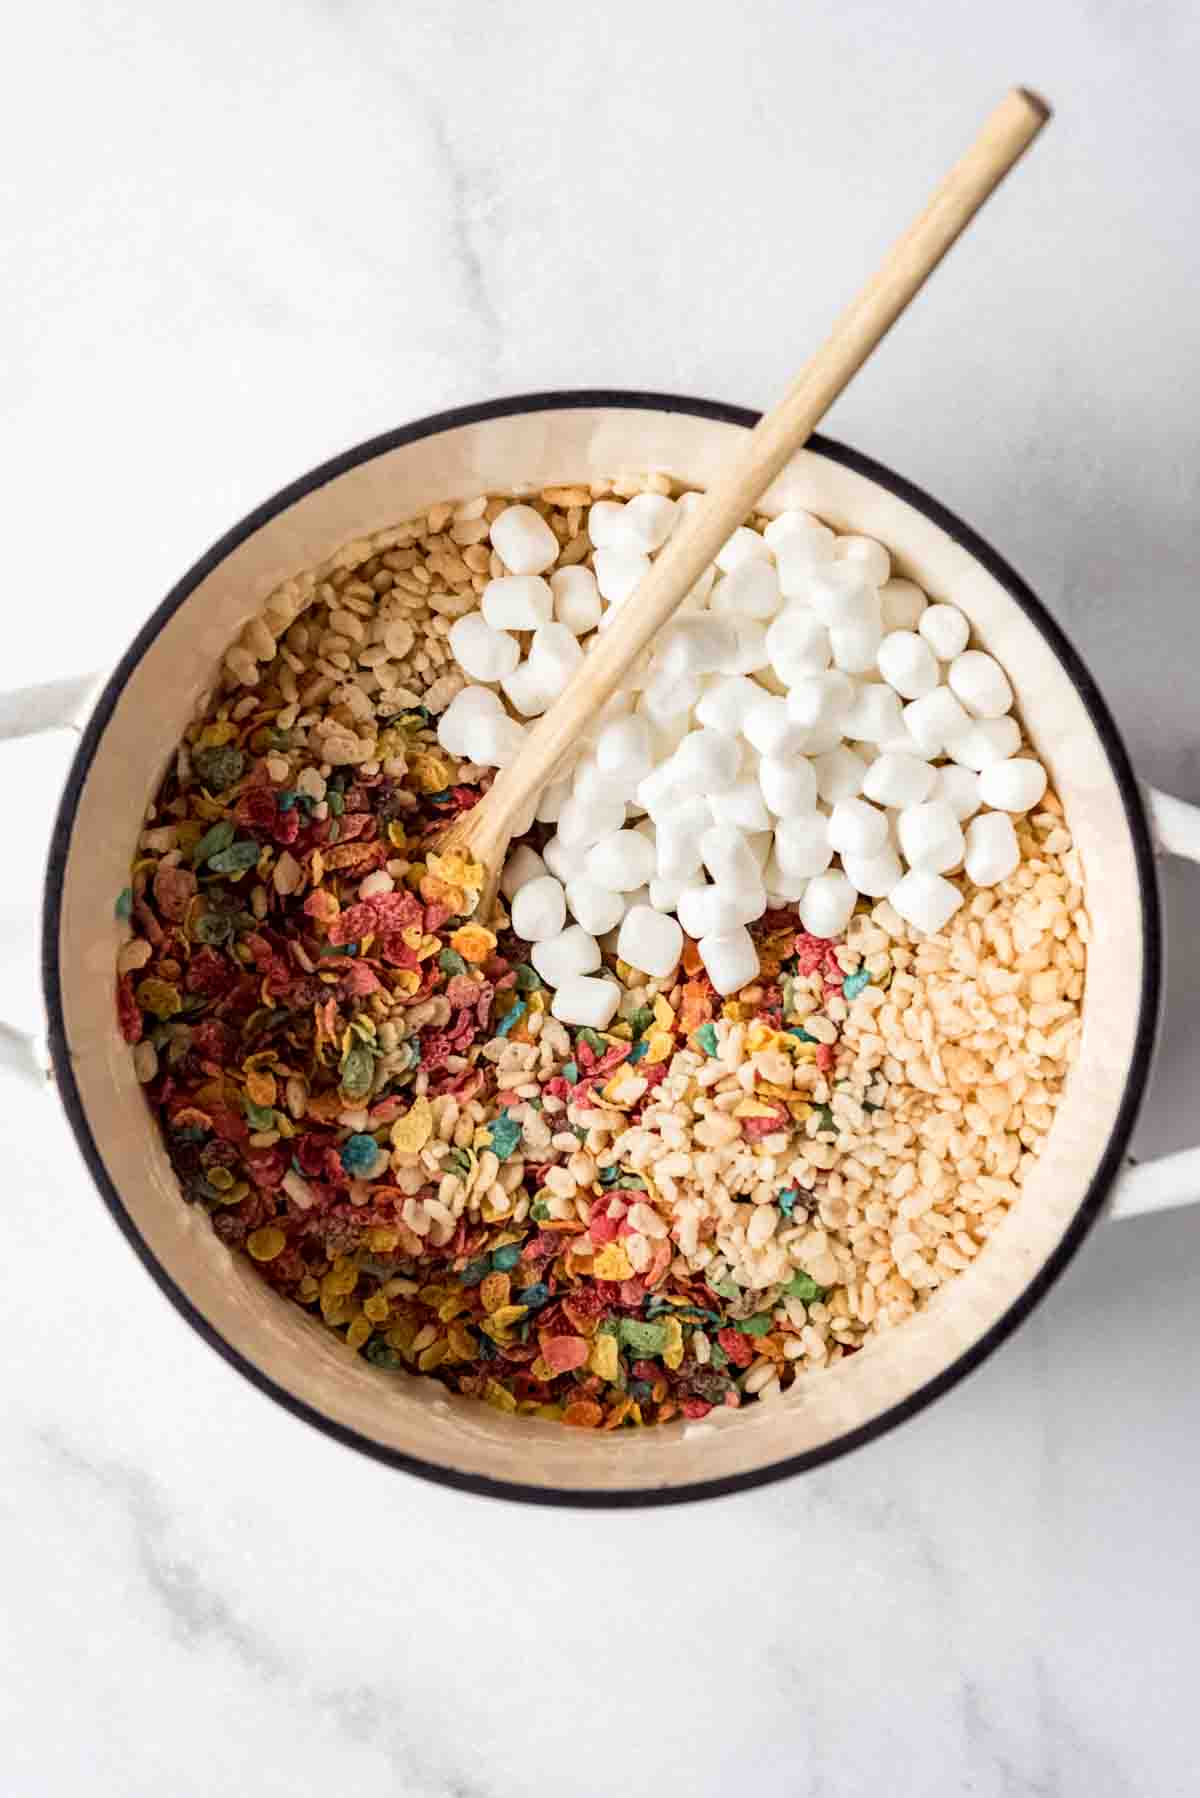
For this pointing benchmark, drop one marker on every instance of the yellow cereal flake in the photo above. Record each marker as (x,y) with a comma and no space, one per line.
(659,1047)
(474,942)
(397,835)
(761,1036)
(382,1239)
(612,1263)
(429,773)
(406,980)
(433,1356)
(494,1291)
(455,870)
(411,1132)
(461,1343)
(358,1333)
(664,1017)
(506,1315)
(625,1088)
(376,1307)
(604,1359)
(266,1243)
(215,736)
(428,945)
(261,1088)
(673,1352)
(754,1108)
(732,1012)
(802,1051)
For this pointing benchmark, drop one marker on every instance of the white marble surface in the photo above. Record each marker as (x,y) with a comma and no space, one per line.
(238,238)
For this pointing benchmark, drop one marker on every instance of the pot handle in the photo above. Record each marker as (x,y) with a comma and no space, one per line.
(1170,1180)
(1141,1188)
(31,712)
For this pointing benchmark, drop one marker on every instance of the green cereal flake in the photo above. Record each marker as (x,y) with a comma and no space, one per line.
(124,906)
(643,1338)
(236,859)
(451,962)
(215,840)
(803,1286)
(853,984)
(755,1326)
(505,1135)
(219,767)
(356,1072)
(706,1036)
(526,980)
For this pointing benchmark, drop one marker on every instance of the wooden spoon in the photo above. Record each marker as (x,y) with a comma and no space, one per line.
(483,833)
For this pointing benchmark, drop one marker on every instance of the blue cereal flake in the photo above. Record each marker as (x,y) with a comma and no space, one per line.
(360,1152)
(706,1036)
(570,1072)
(853,984)
(801,1036)
(639,1049)
(511,1018)
(506,1258)
(534,1296)
(123,908)
(505,1135)
(787,1200)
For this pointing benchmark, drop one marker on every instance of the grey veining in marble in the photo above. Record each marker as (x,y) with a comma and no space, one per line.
(238,238)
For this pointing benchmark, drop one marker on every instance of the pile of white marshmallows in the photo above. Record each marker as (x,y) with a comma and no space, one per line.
(802,706)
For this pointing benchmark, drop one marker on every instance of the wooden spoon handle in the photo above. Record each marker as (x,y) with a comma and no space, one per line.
(775,439)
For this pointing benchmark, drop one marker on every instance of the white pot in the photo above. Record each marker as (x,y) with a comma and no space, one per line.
(414,1423)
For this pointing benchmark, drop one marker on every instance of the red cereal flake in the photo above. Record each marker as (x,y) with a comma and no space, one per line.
(129,1015)
(737,1346)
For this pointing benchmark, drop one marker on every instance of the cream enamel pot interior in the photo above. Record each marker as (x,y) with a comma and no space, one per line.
(413,1423)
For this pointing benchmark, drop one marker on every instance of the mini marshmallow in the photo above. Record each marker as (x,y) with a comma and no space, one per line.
(565,861)
(610,527)
(930,836)
(902,604)
(713,911)
(724,704)
(573,951)
(797,644)
(855,647)
(618,572)
(959,789)
(875,715)
(596,908)
(750,591)
(730,960)
(933,719)
(586,1002)
(523,540)
(750,647)
(697,643)
(483,653)
(981,683)
(729,858)
(983,742)
(827,905)
(759,844)
(744,546)
(539,909)
(678,841)
(577,602)
(556,653)
(453,730)
(1012,786)
(874,875)
(494,742)
(517,602)
(802,846)
(622,860)
(791,523)
(839,775)
(898,780)
(527,692)
(650,518)
(650,941)
(664,892)
(821,701)
(925,901)
(782,888)
(589,782)
(857,828)
(769,728)
(664,701)
(800,553)
(992,849)
(706,762)
(625,750)
(873,559)
(907,664)
(522,866)
(945,630)
(742,805)
(583,822)
(841,595)
(788,786)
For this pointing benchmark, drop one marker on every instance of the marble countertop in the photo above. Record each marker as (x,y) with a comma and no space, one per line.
(239,238)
